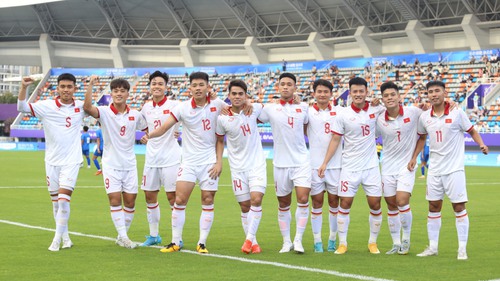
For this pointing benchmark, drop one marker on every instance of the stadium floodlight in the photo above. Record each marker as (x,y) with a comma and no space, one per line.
(17,3)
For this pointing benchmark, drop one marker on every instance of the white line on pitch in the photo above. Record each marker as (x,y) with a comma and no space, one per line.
(277,264)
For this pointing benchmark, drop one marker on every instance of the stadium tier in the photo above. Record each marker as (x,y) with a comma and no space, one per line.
(463,80)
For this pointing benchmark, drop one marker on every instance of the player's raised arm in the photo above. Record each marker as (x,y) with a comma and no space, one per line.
(87,104)
(479,140)
(22,105)
(418,148)
(332,147)
(169,123)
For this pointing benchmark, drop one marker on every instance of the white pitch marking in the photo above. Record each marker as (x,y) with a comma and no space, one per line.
(277,264)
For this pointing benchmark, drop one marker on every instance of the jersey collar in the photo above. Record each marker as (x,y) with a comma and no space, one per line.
(160,103)
(59,104)
(115,111)
(315,106)
(193,103)
(282,102)
(357,110)
(401,113)
(446,109)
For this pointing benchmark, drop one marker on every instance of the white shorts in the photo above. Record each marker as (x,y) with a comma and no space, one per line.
(369,179)
(453,185)
(61,177)
(330,182)
(120,180)
(404,181)
(198,173)
(154,177)
(252,181)
(285,179)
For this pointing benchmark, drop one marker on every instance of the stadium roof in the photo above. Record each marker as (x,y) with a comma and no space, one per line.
(167,22)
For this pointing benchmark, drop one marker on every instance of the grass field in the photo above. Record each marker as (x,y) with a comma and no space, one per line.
(26,230)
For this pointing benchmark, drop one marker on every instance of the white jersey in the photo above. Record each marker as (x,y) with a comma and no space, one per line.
(243,140)
(399,137)
(198,130)
(357,126)
(163,151)
(62,125)
(319,133)
(118,132)
(446,139)
(287,124)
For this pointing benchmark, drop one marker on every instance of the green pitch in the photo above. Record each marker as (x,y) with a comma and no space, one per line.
(24,256)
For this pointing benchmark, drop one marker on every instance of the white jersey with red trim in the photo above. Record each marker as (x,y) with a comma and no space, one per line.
(399,137)
(243,140)
(62,125)
(446,140)
(319,133)
(118,131)
(198,130)
(163,151)
(287,124)
(358,126)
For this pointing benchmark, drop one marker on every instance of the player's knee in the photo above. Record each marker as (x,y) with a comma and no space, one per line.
(458,207)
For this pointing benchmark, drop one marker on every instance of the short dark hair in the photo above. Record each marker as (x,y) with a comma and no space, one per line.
(435,83)
(237,83)
(322,82)
(358,81)
(120,83)
(198,75)
(289,75)
(85,128)
(66,76)
(388,85)
(158,73)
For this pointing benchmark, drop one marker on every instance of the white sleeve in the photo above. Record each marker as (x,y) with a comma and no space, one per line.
(23,106)
(264,116)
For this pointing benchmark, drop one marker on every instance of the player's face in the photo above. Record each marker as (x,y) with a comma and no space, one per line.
(199,88)
(287,88)
(119,96)
(391,98)
(157,87)
(66,89)
(436,95)
(237,96)
(322,94)
(358,94)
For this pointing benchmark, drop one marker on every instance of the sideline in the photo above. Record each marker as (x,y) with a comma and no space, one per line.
(276,264)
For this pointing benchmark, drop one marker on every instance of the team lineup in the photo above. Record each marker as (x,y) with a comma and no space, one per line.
(342,156)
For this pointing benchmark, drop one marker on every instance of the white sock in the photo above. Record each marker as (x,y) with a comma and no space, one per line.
(284,218)
(128,213)
(119,220)
(316,223)
(178,220)
(153,214)
(301,218)
(394,222)
(244,222)
(433,228)
(332,219)
(55,205)
(254,217)
(343,220)
(375,220)
(206,220)
(462,224)
(406,221)
(62,216)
